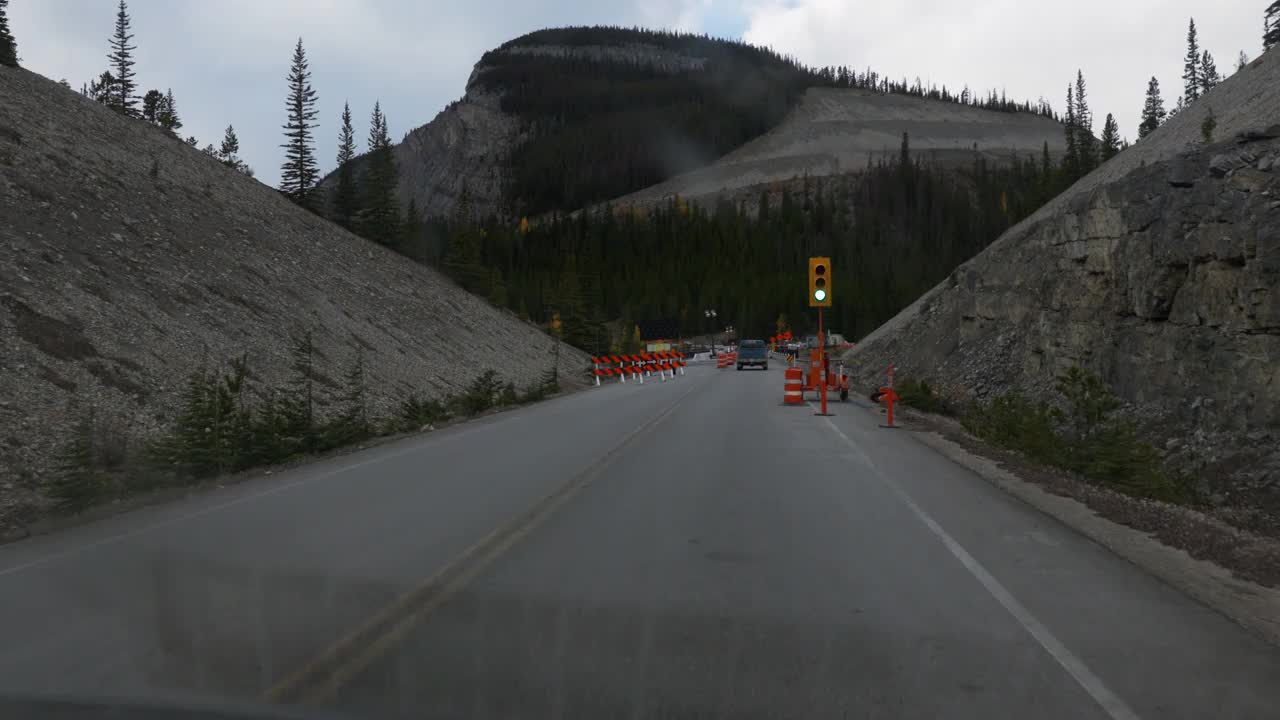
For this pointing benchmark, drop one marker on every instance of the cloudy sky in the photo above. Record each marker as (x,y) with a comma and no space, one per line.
(226,60)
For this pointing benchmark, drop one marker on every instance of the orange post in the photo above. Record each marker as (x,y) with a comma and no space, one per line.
(889,397)
(822,364)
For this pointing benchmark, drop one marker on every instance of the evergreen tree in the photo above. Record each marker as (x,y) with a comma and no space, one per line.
(1071,161)
(299,172)
(462,259)
(345,200)
(8,45)
(299,407)
(102,90)
(411,232)
(1110,138)
(1209,77)
(497,289)
(151,105)
(352,424)
(228,153)
(1085,142)
(1153,113)
(230,147)
(381,214)
(167,114)
(1271,26)
(1191,75)
(1241,61)
(78,484)
(123,98)
(1207,127)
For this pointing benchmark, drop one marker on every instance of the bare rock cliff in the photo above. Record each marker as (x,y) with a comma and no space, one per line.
(1160,272)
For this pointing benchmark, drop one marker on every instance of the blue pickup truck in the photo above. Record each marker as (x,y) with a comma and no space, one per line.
(753,352)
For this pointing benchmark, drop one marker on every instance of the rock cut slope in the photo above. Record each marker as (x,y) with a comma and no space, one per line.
(835,131)
(1160,272)
(127,258)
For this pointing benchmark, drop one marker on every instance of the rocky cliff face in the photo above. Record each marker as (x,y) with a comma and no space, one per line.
(1160,273)
(128,258)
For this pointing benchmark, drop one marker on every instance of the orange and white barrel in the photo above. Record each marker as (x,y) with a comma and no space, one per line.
(793,390)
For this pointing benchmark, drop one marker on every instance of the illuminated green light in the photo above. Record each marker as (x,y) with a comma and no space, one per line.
(819,295)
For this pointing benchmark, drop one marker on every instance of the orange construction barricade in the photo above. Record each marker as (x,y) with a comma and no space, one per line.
(794,389)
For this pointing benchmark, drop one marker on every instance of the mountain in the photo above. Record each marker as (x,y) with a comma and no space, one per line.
(561,118)
(835,131)
(1159,272)
(564,118)
(129,260)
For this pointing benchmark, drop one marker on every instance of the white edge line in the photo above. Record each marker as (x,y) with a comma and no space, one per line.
(1091,683)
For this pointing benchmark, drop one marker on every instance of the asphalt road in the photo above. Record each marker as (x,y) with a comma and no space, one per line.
(685,549)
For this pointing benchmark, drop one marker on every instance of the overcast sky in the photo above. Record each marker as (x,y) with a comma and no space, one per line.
(226,60)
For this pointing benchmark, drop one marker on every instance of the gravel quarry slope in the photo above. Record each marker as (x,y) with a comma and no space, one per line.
(128,258)
(837,131)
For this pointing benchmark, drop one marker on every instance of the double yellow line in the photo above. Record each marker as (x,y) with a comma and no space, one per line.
(320,679)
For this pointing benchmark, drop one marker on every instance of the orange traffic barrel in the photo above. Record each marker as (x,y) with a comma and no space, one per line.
(794,388)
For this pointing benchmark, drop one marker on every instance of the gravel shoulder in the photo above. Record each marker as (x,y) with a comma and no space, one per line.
(1232,570)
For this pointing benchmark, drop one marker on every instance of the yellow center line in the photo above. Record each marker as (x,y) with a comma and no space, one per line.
(321,677)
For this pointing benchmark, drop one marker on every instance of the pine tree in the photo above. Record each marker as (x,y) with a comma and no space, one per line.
(352,424)
(380,221)
(8,45)
(345,200)
(1271,26)
(1085,142)
(299,407)
(1207,127)
(1191,77)
(1209,77)
(1071,161)
(1110,138)
(228,154)
(78,484)
(167,116)
(230,147)
(1241,61)
(151,105)
(411,231)
(1153,112)
(299,172)
(102,90)
(123,99)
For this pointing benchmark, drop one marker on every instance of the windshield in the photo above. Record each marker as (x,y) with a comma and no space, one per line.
(689,359)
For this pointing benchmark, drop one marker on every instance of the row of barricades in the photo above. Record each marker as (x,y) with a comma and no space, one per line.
(638,367)
(726,360)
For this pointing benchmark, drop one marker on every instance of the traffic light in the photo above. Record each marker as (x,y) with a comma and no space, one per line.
(819,282)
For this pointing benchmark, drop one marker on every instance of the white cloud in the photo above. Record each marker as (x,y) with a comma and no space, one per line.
(1028,48)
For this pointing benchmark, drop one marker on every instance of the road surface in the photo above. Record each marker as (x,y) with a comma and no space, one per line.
(685,549)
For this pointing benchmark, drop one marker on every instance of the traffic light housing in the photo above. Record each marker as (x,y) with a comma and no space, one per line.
(819,282)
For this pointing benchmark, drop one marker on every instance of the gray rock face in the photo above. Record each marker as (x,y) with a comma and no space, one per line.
(127,258)
(1169,292)
(1159,271)
(465,146)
